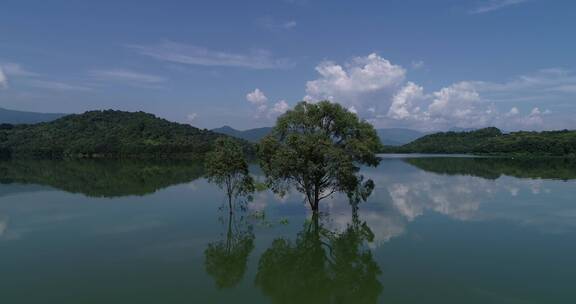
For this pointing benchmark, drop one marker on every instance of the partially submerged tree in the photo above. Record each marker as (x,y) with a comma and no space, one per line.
(321,266)
(226,167)
(226,259)
(318,148)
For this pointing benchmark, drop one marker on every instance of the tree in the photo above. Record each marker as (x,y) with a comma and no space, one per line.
(226,259)
(317,148)
(321,266)
(226,167)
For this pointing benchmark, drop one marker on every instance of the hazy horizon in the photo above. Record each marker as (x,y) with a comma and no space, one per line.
(419,65)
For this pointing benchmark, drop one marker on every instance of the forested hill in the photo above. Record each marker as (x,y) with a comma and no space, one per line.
(492,141)
(106,134)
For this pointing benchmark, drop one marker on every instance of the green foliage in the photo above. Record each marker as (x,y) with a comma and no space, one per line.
(492,141)
(226,167)
(321,266)
(108,133)
(317,148)
(100,178)
(226,259)
(493,168)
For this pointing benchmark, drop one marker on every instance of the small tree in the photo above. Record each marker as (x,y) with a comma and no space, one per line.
(317,148)
(226,167)
(226,259)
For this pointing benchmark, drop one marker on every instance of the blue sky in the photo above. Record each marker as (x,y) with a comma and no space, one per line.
(428,65)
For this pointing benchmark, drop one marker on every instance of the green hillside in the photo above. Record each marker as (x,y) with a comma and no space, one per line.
(491,141)
(106,134)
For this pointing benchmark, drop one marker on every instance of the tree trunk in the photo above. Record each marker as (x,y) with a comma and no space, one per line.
(316,199)
(315,205)
(230,202)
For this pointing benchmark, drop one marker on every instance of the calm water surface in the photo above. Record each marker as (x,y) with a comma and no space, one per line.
(436,230)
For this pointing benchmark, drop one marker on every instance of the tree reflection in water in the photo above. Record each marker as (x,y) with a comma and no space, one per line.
(226,259)
(321,266)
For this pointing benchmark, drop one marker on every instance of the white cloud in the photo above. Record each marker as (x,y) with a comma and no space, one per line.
(3,79)
(270,23)
(494,5)
(513,112)
(378,91)
(58,86)
(357,82)
(280,107)
(191,117)
(418,64)
(405,102)
(128,77)
(460,103)
(33,79)
(257,97)
(14,69)
(195,55)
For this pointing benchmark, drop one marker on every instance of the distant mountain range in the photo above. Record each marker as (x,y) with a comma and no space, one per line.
(398,136)
(389,137)
(23,117)
(251,135)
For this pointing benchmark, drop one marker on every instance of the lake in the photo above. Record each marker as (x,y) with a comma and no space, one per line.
(435,230)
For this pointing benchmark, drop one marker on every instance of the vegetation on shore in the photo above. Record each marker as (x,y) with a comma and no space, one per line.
(491,141)
(107,134)
(101,178)
(494,167)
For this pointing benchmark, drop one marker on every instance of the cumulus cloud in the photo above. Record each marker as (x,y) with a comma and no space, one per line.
(258,99)
(280,107)
(357,82)
(460,103)
(3,79)
(196,55)
(493,5)
(407,102)
(513,112)
(379,92)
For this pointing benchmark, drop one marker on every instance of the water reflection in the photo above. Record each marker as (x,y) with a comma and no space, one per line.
(466,189)
(225,260)
(493,168)
(321,266)
(100,178)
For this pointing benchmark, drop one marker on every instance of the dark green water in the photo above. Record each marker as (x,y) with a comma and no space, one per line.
(436,230)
